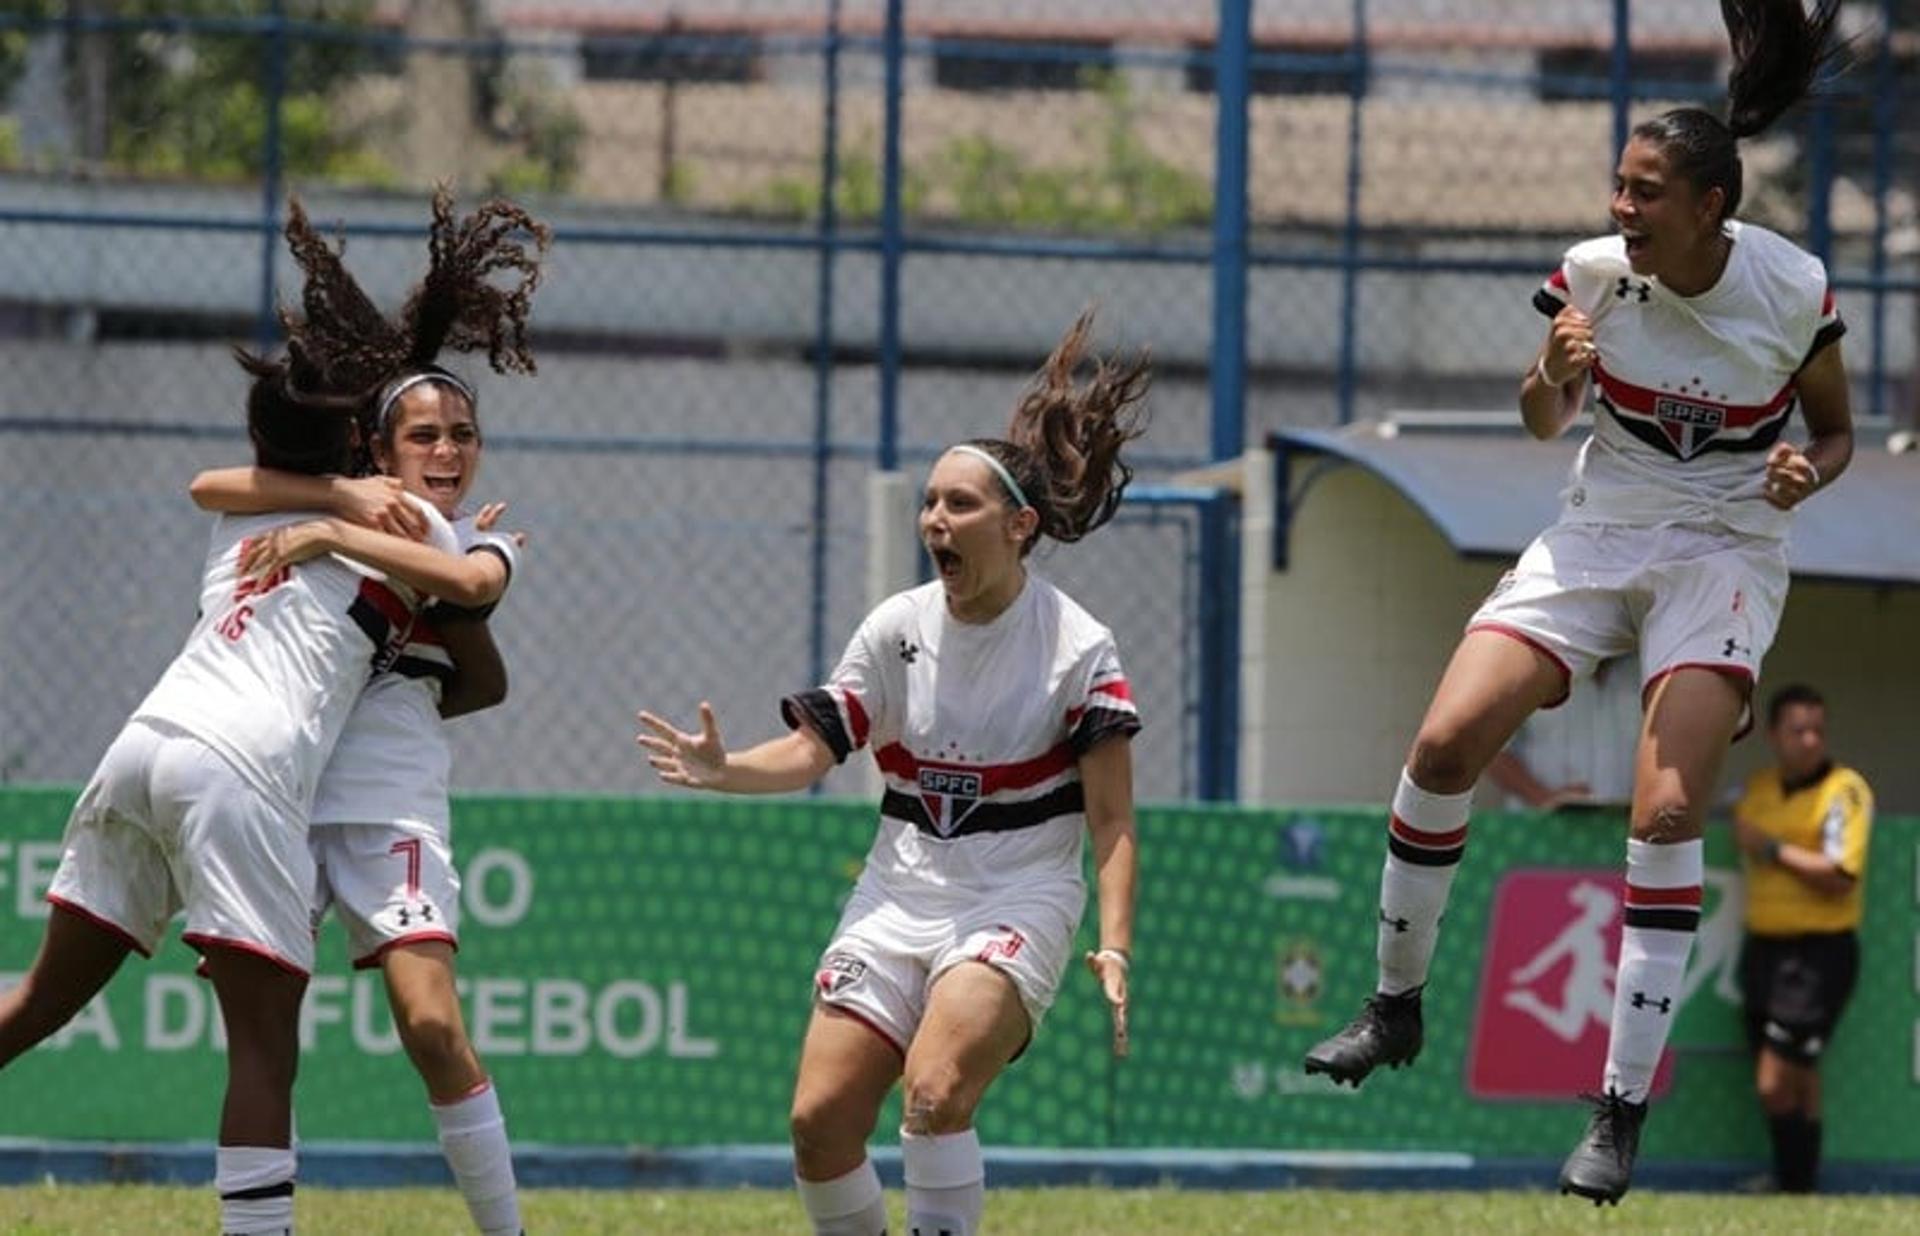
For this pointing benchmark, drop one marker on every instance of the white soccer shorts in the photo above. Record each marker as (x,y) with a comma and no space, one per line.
(390,885)
(1686,597)
(885,957)
(165,824)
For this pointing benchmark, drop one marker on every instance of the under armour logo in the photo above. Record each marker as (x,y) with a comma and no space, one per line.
(1664,1003)
(407,912)
(919,1231)
(908,651)
(1400,925)
(1633,287)
(1733,646)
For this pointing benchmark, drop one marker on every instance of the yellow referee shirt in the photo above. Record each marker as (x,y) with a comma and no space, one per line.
(1832,817)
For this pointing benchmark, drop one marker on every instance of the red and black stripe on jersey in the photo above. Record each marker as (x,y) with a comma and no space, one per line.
(1555,296)
(831,712)
(425,655)
(986,816)
(384,619)
(1686,424)
(955,800)
(1108,712)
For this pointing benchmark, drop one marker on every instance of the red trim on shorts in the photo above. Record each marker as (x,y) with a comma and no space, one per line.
(107,925)
(859,1018)
(372,960)
(1728,668)
(204,942)
(1535,643)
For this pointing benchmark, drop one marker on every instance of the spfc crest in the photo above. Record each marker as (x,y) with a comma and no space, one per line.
(1689,426)
(949,793)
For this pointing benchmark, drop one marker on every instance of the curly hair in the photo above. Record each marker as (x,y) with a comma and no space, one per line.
(1063,443)
(350,349)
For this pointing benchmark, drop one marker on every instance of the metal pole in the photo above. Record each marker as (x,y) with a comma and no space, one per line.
(893,46)
(1358,70)
(1219,602)
(1229,360)
(1620,78)
(823,348)
(265,327)
(1884,116)
(1820,140)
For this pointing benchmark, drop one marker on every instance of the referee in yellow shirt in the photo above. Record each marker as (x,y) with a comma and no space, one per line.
(1803,826)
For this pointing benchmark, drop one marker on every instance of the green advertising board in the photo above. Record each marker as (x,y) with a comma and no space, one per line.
(638,972)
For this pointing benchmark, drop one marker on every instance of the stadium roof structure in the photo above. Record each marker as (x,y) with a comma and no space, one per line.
(1490,490)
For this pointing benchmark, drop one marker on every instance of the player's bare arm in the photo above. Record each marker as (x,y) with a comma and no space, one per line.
(479,671)
(701,760)
(1556,386)
(1794,473)
(464,579)
(1106,778)
(377,502)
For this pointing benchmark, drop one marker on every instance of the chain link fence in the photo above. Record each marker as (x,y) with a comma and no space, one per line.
(728,352)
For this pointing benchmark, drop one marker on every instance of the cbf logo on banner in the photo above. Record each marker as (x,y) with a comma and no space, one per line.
(1546,992)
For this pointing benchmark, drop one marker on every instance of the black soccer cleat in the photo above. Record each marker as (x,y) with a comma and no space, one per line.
(1387,1031)
(1601,1166)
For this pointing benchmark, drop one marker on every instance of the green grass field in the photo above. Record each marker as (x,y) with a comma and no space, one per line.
(133,1210)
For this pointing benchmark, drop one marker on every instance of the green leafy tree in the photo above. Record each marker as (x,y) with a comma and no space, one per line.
(195,103)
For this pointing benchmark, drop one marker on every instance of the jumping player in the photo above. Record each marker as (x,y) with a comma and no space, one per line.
(1701,336)
(998,711)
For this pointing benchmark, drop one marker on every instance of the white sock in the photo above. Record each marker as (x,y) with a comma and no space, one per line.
(1426,835)
(473,1136)
(946,1182)
(1663,915)
(255,1184)
(849,1205)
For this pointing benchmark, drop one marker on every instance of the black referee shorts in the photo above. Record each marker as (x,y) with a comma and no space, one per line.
(1796,988)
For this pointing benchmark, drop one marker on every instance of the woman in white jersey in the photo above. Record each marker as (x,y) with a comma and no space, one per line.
(998,711)
(1700,336)
(201,803)
(381,829)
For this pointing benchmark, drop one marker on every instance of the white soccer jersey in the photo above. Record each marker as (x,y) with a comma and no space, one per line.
(1692,390)
(392,764)
(272,667)
(978,729)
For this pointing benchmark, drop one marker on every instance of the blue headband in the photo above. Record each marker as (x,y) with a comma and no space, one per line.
(1006,477)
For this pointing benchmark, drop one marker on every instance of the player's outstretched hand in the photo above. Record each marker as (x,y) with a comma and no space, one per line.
(1110,967)
(380,503)
(698,761)
(262,556)
(490,515)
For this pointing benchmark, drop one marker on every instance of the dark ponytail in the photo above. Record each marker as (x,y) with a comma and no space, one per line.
(294,425)
(1063,444)
(1779,50)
